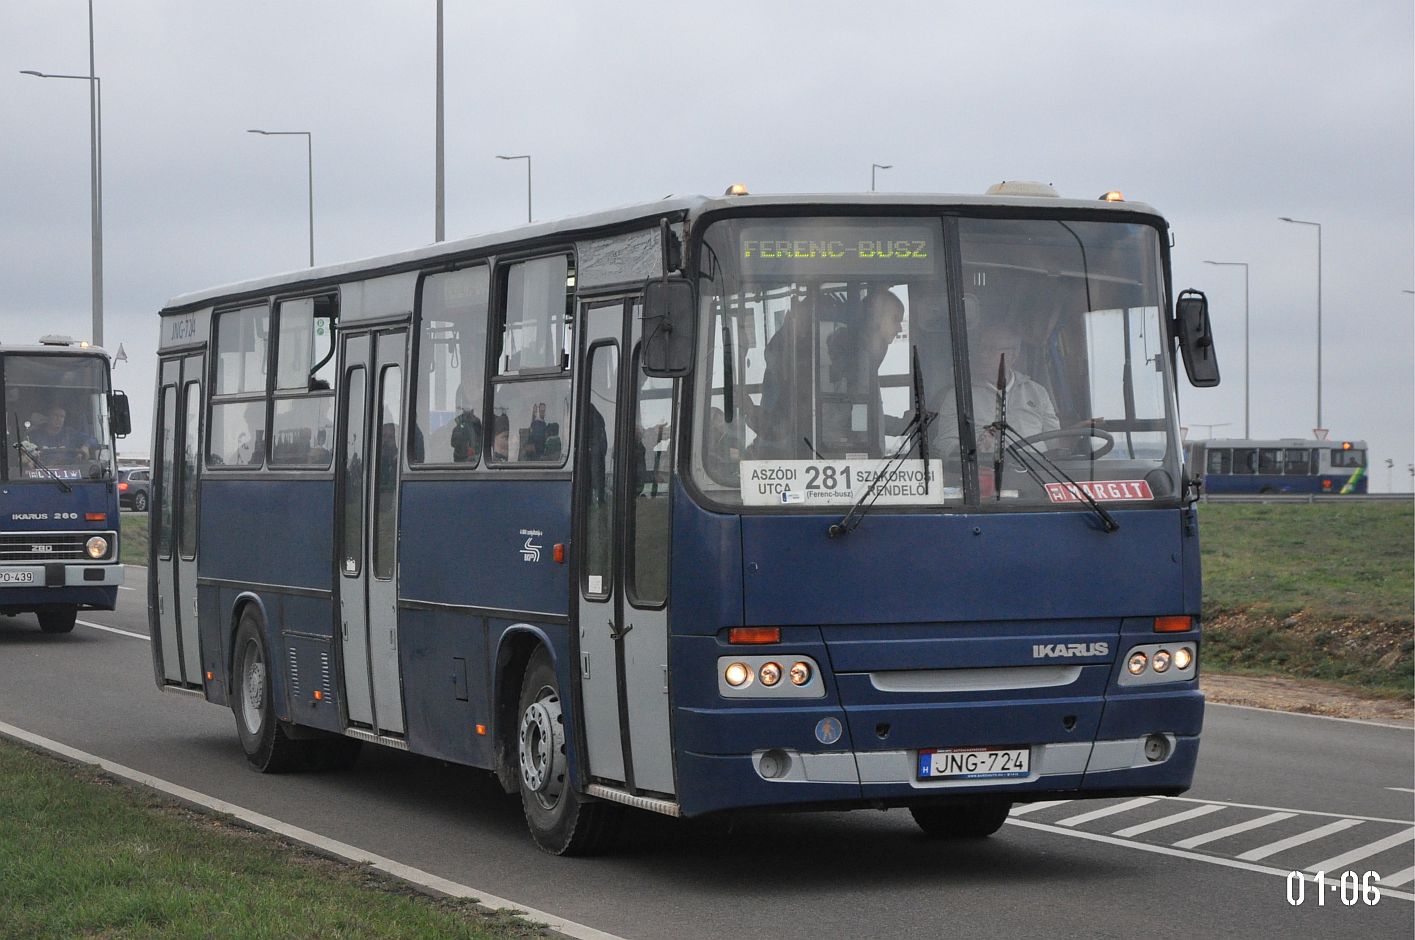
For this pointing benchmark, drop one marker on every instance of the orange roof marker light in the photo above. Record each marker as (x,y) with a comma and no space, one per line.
(1113,195)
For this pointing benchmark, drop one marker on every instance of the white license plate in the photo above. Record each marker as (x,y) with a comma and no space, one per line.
(16,577)
(974,763)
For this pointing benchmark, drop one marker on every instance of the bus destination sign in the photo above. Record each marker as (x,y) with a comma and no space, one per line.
(838,249)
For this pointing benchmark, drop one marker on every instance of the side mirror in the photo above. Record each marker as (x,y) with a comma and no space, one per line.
(1196,338)
(119,416)
(669,319)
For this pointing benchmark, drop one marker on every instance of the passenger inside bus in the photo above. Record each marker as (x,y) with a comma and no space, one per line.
(54,434)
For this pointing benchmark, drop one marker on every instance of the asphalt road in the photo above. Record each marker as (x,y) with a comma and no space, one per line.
(1273,793)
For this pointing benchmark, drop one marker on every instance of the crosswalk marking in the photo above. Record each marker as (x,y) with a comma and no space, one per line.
(1338,862)
(1105,811)
(1281,845)
(1033,807)
(1233,830)
(1399,878)
(1177,818)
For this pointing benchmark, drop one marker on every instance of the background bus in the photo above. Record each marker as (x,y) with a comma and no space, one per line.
(1286,465)
(59,502)
(629,510)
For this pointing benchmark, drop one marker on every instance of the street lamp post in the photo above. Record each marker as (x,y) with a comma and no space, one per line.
(95,129)
(878,166)
(1244,266)
(439,212)
(309,154)
(527,158)
(1318,227)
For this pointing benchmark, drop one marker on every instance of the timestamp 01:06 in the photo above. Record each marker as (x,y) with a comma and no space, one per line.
(1349,888)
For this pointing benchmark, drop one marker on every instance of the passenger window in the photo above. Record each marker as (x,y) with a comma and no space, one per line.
(448,426)
(537,313)
(1269,460)
(236,436)
(1220,462)
(303,424)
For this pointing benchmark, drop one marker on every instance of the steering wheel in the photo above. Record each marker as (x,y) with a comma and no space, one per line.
(1078,434)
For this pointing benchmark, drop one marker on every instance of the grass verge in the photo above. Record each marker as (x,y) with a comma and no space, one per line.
(132,538)
(82,855)
(1318,591)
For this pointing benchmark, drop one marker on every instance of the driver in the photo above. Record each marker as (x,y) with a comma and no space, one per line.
(56,435)
(1030,409)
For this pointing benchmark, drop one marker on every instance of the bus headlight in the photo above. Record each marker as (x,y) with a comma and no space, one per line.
(96,547)
(800,673)
(770,674)
(1161,662)
(1137,662)
(738,675)
(1182,658)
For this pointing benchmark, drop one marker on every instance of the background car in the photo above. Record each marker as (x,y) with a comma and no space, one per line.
(135,488)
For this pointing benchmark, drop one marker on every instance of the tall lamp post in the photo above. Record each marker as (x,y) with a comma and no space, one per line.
(878,166)
(95,130)
(527,158)
(1244,266)
(1318,227)
(309,153)
(439,174)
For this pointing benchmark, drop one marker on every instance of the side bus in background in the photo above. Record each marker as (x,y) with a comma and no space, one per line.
(700,505)
(1287,465)
(58,490)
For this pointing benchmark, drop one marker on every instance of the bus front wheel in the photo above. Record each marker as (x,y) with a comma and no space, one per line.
(974,819)
(58,619)
(561,821)
(269,749)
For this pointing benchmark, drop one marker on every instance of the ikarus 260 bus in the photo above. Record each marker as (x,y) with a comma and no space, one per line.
(702,505)
(58,497)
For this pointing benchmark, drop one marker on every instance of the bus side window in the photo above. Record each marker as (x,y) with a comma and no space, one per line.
(1220,462)
(236,434)
(1245,461)
(303,427)
(448,427)
(530,397)
(1269,461)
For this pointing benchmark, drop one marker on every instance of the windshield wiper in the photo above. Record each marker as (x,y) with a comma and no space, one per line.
(1034,458)
(999,424)
(32,452)
(916,429)
(919,410)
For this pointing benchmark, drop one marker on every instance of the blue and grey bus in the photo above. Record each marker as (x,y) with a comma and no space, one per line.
(702,505)
(58,486)
(1280,465)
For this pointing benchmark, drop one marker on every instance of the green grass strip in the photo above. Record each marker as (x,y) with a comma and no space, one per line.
(83,856)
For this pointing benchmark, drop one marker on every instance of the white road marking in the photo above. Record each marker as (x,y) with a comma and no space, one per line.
(1177,818)
(1304,812)
(1339,862)
(1033,807)
(1399,878)
(1106,811)
(99,626)
(1233,830)
(1175,853)
(1401,789)
(315,840)
(1281,845)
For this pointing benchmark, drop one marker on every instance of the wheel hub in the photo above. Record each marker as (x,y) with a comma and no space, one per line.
(542,749)
(253,689)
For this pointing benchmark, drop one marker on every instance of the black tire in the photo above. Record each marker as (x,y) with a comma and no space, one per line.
(58,619)
(140,501)
(269,749)
(970,819)
(561,821)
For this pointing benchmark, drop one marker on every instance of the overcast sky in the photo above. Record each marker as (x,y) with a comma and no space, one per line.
(1222,115)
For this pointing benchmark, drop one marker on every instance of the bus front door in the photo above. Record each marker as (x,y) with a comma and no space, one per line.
(622,615)
(178,469)
(367,529)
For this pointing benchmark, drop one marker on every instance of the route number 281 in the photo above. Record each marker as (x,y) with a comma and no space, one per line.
(1351,888)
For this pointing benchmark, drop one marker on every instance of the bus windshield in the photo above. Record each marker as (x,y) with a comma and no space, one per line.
(56,417)
(824,340)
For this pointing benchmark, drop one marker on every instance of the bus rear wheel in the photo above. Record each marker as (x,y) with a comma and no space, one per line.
(58,619)
(561,821)
(973,819)
(269,749)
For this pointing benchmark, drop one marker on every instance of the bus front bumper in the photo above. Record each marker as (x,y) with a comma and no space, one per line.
(27,587)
